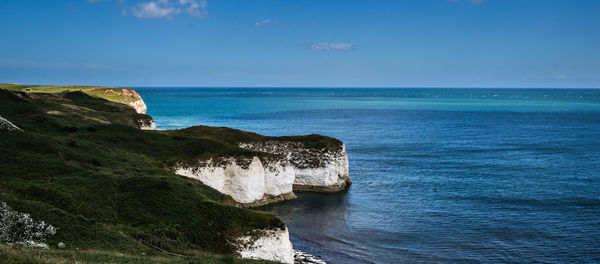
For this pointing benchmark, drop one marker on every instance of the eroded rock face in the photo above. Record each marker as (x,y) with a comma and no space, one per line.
(139,105)
(272,244)
(146,124)
(248,181)
(315,169)
(279,177)
(291,166)
(245,184)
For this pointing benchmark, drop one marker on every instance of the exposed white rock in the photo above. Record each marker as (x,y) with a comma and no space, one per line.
(279,177)
(250,182)
(315,169)
(332,174)
(244,183)
(7,125)
(273,245)
(292,166)
(147,125)
(138,104)
(301,257)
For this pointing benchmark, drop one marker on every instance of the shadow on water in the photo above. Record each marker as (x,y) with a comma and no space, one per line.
(317,222)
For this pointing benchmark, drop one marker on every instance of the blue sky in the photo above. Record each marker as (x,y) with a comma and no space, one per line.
(302,43)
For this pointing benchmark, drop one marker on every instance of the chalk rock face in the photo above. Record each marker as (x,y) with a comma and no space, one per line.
(7,125)
(147,124)
(249,181)
(138,104)
(316,168)
(272,244)
(241,178)
(279,177)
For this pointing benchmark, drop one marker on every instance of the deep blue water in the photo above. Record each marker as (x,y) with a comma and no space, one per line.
(439,175)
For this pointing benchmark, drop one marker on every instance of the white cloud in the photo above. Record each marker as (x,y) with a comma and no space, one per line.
(153,10)
(270,22)
(169,9)
(194,8)
(331,46)
(262,23)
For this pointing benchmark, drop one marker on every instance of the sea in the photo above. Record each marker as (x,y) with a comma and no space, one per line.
(439,175)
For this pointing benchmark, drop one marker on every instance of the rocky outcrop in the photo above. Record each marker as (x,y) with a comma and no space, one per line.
(6,125)
(316,168)
(288,166)
(146,124)
(301,257)
(140,107)
(272,244)
(126,96)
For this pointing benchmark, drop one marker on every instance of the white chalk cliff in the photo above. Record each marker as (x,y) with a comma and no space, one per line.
(140,107)
(138,104)
(257,181)
(315,169)
(247,180)
(146,124)
(272,244)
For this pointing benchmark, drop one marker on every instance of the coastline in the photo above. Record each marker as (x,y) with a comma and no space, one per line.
(262,171)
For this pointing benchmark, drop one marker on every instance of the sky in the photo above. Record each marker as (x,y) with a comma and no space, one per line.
(302,43)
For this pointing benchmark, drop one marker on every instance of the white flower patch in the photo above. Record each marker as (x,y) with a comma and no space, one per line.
(20,229)
(7,125)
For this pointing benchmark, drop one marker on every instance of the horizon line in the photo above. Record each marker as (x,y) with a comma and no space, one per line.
(357,87)
(317,87)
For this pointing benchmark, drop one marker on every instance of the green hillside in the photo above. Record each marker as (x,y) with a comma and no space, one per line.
(119,95)
(81,164)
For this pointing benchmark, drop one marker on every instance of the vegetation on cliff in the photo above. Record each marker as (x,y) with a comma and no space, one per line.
(117,95)
(81,164)
(234,137)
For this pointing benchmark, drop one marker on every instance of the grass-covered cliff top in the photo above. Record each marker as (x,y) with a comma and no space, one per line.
(234,137)
(119,95)
(81,164)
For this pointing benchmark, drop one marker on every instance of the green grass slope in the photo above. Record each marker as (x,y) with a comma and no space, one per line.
(233,137)
(81,165)
(118,95)
(14,255)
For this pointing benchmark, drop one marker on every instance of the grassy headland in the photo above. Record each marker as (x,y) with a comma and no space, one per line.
(118,95)
(81,164)
(233,137)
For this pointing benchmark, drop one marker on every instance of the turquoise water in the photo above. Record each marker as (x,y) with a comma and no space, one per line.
(440,175)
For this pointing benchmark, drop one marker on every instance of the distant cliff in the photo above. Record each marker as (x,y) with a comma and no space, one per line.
(125,96)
